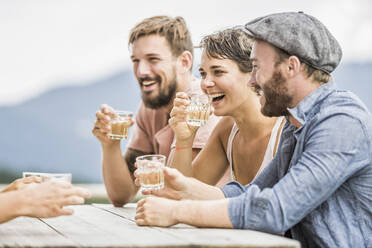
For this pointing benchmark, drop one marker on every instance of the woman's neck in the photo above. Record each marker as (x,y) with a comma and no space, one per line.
(251,122)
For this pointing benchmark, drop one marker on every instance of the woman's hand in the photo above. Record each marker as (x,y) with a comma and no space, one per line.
(182,131)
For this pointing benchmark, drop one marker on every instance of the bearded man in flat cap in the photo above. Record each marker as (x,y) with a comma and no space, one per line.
(318,188)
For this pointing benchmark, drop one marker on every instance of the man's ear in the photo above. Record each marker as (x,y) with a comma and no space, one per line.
(293,66)
(184,62)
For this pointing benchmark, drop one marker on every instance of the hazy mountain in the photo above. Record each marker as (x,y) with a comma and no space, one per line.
(52,133)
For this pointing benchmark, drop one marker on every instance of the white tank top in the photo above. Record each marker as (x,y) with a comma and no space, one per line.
(269,154)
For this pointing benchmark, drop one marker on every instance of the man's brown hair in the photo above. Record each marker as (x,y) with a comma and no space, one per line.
(173,29)
(317,75)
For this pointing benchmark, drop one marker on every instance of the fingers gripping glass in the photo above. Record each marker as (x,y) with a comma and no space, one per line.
(199,110)
(151,171)
(120,125)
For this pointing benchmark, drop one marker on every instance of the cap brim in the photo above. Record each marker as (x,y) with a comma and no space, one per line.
(245,30)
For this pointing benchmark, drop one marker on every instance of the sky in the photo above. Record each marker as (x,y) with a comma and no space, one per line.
(48,43)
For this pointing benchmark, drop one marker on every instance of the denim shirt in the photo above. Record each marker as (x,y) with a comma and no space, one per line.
(319,185)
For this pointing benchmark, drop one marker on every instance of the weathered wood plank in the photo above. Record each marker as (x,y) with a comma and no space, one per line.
(211,237)
(107,226)
(128,211)
(31,232)
(94,227)
(232,238)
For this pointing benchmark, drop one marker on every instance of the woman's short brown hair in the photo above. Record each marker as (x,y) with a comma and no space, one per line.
(231,44)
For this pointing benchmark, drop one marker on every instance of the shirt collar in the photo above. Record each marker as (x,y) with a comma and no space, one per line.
(309,106)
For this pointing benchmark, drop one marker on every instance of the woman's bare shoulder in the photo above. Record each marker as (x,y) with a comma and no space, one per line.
(223,128)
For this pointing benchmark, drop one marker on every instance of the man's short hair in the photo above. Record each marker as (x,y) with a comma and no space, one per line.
(173,29)
(233,44)
(317,75)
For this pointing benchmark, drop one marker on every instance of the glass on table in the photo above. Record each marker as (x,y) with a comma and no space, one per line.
(120,125)
(64,177)
(150,169)
(199,110)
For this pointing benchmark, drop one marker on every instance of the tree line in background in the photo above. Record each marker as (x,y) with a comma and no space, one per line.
(8,175)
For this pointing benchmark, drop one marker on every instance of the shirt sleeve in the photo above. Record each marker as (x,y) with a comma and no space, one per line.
(328,159)
(267,178)
(140,138)
(233,189)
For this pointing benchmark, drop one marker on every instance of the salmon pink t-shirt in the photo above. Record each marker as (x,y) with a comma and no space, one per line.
(152,133)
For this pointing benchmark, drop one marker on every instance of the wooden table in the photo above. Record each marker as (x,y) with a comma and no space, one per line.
(102,225)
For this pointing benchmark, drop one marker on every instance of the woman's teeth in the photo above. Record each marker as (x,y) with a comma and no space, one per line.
(216,97)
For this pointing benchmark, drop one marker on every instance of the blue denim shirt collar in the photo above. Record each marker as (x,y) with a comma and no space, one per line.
(308,107)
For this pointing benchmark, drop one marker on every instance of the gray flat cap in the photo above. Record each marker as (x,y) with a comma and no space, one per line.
(298,34)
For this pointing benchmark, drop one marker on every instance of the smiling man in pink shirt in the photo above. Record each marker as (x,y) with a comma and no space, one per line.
(162,54)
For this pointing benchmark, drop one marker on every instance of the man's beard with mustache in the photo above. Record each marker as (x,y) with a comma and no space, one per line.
(165,95)
(276,96)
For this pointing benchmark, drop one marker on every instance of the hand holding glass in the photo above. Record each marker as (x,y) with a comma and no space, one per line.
(150,169)
(120,125)
(198,111)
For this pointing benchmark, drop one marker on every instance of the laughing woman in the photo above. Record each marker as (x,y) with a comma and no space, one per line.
(244,141)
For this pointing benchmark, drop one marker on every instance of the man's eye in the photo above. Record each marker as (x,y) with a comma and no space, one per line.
(203,74)
(152,59)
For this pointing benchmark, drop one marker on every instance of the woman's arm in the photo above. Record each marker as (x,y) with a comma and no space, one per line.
(211,163)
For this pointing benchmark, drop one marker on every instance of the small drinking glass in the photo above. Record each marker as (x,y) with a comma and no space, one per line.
(198,111)
(151,171)
(120,125)
(64,177)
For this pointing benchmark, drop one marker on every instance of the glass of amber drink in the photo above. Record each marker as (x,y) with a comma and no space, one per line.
(199,110)
(151,171)
(120,125)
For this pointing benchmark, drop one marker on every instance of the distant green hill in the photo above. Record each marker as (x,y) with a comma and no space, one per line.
(7,175)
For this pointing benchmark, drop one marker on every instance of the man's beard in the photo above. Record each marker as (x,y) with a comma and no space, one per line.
(165,95)
(276,96)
